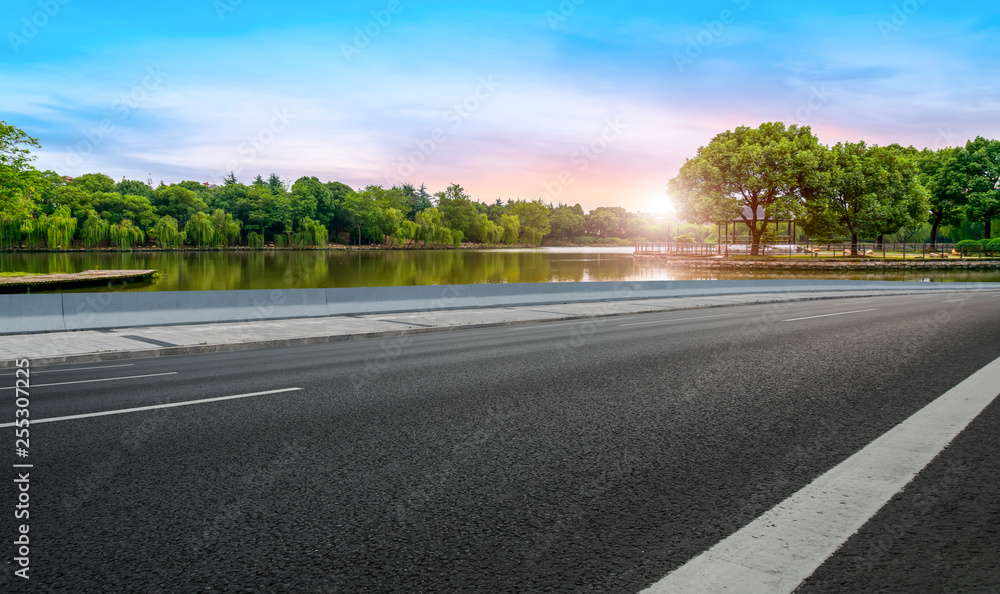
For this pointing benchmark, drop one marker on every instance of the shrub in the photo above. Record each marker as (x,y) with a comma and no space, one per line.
(684,239)
(968,246)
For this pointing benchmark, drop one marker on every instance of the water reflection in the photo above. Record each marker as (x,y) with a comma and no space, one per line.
(203,271)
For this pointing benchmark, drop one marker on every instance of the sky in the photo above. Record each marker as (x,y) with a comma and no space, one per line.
(574,101)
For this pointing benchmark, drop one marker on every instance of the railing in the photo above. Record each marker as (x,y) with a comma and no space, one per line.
(811,249)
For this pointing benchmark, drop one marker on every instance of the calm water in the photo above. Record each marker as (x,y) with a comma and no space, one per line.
(202,271)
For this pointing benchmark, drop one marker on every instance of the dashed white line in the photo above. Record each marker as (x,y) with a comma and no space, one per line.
(103,379)
(842,313)
(36,371)
(954,300)
(154,407)
(780,549)
(676,320)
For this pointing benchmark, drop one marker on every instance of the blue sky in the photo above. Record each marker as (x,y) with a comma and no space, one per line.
(586,101)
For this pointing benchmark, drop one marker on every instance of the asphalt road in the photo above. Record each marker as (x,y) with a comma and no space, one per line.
(593,455)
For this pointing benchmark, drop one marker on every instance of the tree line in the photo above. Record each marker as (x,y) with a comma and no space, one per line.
(44,209)
(758,176)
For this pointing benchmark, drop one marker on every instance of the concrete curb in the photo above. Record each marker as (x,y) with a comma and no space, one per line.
(103,356)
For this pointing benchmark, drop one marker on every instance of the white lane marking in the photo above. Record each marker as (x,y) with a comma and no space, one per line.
(676,320)
(103,379)
(780,549)
(153,407)
(842,313)
(33,370)
(954,300)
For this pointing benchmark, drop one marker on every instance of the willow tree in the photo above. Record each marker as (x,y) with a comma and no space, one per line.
(59,228)
(95,230)
(227,229)
(510,228)
(167,233)
(311,233)
(125,234)
(753,175)
(200,229)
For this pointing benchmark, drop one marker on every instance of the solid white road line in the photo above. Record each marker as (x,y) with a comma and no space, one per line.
(843,313)
(37,370)
(154,407)
(103,379)
(676,320)
(954,300)
(783,547)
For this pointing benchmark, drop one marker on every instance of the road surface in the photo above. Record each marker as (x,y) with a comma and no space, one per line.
(592,455)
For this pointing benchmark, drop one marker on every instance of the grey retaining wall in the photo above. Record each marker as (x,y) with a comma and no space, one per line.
(21,314)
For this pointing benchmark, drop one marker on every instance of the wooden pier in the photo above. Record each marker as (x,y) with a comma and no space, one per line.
(89,278)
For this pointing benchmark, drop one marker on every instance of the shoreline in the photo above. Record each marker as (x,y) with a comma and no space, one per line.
(327,248)
(824,265)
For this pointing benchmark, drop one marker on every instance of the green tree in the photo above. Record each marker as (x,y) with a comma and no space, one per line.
(95,230)
(227,229)
(308,193)
(457,208)
(19,181)
(868,190)
(94,182)
(606,221)
(59,228)
(133,187)
(946,191)
(417,199)
(76,199)
(200,230)
(125,234)
(980,165)
(117,208)
(277,186)
(167,233)
(510,227)
(534,220)
(756,175)
(177,202)
(566,224)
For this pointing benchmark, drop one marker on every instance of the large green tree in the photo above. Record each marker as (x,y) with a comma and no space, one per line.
(177,202)
(945,188)
(458,209)
(868,190)
(755,175)
(534,220)
(979,163)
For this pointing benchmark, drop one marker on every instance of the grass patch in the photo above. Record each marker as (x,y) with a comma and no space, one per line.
(13,274)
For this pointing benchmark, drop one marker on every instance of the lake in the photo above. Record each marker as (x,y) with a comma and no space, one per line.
(223,270)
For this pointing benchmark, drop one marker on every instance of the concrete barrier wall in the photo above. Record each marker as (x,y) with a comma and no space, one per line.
(88,311)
